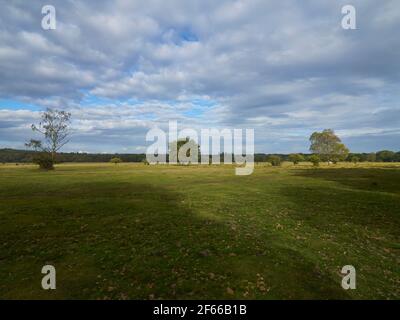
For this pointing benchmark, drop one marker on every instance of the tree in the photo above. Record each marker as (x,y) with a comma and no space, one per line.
(116,160)
(355,159)
(314,159)
(184,148)
(274,160)
(296,158)
(54,126)
(328,146)
(385,156)
(362,156)
(340,153)
(371,157)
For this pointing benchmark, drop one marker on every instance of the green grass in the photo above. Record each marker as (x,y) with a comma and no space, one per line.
(131,231)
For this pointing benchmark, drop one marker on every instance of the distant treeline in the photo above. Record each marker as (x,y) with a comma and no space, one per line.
(21,156)
(25,156)
(380,156)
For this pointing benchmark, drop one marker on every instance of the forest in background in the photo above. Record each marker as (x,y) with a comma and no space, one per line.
(25,156)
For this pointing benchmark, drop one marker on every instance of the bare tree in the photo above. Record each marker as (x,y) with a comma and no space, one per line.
(54,126)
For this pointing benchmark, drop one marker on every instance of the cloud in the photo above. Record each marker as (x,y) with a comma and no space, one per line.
(283,68)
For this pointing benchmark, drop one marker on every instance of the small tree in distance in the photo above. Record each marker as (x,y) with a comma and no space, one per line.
(274,160)
(314,159)
(371,157)
(184,148)
(355,159)
(296,158)
(385,156)
(54,126)
(116,160)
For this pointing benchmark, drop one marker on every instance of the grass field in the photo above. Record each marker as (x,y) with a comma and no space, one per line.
(132,231)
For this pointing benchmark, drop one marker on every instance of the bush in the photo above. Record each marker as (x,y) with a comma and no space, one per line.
(355,159)
(314,159)
(275,160)
(371,157)
(116,160)
(44,160)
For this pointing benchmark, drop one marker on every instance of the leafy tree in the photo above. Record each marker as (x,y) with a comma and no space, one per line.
(362,156)
(296,158)
(328,146)
(385,156)
(274,160)
(192,149)
(340,153)
(54,127)
(314,159)
(116,160)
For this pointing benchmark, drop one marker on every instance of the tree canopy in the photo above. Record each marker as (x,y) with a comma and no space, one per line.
(296,158)
(184,151)
(328,146)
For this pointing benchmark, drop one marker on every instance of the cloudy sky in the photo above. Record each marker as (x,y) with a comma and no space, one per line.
(285,68)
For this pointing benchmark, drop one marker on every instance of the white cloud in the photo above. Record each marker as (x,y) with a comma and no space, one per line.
(285,68)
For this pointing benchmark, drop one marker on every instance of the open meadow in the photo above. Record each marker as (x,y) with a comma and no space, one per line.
(131,231)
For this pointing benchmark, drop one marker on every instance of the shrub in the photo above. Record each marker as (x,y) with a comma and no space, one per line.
(371,157)
(44,160)
(275,160)
(116,160)
(355,159)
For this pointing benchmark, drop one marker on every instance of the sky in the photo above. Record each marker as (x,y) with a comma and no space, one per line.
(283,68)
